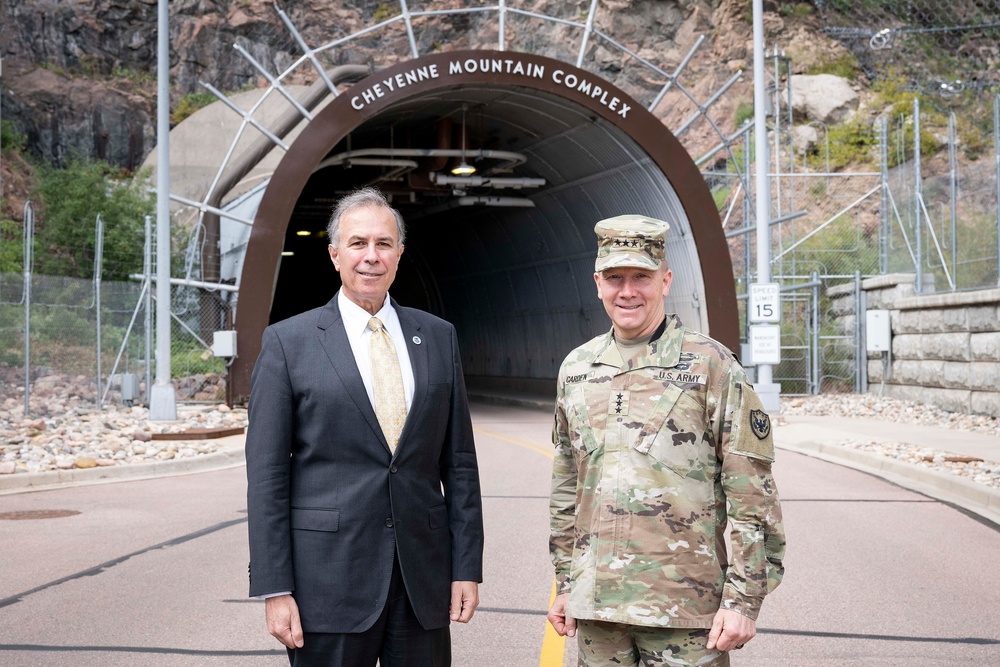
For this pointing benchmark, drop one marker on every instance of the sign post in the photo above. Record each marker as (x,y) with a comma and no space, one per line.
(767,390)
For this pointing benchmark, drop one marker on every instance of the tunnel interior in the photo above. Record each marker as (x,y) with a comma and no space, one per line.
(507,255)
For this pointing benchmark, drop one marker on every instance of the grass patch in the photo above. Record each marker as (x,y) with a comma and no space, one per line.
(743,113)
(11,139)
(797,9)
(845,67)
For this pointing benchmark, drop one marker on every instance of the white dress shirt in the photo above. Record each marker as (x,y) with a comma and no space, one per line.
(359,335)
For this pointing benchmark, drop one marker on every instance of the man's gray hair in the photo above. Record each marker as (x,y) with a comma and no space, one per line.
(363,198)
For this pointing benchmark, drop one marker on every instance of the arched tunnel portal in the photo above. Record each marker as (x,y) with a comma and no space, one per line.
(507,254)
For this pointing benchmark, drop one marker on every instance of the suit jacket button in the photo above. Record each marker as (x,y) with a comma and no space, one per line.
(392,468)
(388,523)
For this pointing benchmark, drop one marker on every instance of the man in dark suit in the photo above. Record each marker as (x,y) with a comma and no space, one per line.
(365,516)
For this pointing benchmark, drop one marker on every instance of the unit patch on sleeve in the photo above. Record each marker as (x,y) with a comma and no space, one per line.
(760,424)
(752,430)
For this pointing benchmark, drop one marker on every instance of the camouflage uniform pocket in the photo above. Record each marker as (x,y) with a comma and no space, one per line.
(673,434)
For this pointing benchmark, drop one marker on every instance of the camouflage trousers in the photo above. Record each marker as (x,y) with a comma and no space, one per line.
(617,645)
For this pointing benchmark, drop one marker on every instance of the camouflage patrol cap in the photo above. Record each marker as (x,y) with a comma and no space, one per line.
(630,240)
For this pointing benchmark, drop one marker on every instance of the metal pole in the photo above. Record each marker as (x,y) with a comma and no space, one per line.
(953,195)
(862,344)
(859,342)
(163,401)
(29,258)
(502,25)
(814,278)
(1,125)
(917,196)
(996,153)
(148,273)
(768,391)
(747,216)
(777,134)
(588,28)
(98,261)
(883,241)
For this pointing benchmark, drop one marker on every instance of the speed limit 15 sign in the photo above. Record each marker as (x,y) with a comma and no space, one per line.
(765,303)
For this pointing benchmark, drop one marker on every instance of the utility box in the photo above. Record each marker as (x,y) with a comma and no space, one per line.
(224,343)
(878,331)
(128,385)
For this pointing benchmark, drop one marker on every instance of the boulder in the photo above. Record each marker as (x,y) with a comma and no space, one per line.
(804,138)
(827,98)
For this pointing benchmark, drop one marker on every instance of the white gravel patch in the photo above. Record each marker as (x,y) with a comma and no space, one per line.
(83,438)
(909,412)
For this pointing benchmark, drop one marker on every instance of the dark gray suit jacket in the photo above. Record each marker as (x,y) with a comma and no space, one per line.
(329,505)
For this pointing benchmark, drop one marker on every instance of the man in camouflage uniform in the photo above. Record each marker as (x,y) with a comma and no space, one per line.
(656,428)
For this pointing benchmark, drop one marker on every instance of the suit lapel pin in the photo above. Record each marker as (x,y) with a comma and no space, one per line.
(416,340)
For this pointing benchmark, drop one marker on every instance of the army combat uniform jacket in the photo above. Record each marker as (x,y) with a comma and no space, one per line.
(647,454)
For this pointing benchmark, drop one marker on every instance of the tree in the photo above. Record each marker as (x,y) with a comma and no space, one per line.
(70,200)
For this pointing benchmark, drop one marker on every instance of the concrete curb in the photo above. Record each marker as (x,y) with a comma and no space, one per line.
(231,455)
(976,498)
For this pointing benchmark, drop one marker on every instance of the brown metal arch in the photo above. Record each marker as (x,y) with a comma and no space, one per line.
(340,117)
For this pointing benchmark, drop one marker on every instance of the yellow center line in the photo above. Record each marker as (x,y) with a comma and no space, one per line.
(514,441)
(553,646)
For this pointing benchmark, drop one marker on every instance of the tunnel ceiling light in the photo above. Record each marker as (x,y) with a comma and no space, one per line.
(303,232)
(287,253)
(463,168)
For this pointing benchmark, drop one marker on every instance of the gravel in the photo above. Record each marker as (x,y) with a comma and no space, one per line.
(79,437)
(909,412)
(84,438)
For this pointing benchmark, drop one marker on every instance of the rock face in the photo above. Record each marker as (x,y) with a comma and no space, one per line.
(80,75)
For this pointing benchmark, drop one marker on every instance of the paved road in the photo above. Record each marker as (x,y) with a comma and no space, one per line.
(153,572)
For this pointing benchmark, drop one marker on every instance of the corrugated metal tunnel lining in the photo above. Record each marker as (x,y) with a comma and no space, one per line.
(517,282)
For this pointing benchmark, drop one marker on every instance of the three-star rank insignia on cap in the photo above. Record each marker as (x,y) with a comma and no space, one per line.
(760,424)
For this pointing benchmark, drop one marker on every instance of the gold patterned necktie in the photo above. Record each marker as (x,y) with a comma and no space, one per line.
(387,383)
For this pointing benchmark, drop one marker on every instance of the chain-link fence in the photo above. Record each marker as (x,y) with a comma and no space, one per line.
(919,195)
(73,343)
(942,213)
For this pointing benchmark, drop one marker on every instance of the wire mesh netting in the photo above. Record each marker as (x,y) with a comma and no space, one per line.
(940,46)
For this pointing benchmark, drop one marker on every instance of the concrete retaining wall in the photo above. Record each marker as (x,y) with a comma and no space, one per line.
(945,347)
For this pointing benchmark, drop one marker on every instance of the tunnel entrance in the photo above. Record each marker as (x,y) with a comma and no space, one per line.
(505,253)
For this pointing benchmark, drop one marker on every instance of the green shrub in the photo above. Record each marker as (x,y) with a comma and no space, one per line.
(850,142)
(11,139)
(743,113)
(187,357)
(69,200)
(188,104)
(384,12)
(800,9)
(11,246)
(721,196)
(138,77)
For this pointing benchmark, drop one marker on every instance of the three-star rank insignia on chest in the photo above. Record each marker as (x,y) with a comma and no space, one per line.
(618,404)
(760,424)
